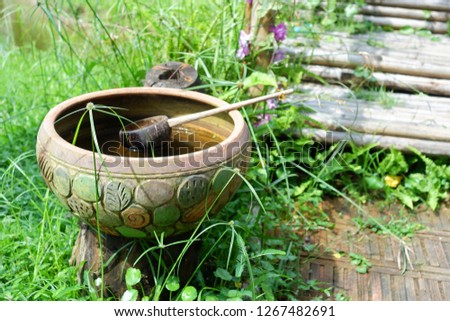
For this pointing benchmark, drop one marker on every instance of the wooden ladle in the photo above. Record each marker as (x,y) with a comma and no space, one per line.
(157,129)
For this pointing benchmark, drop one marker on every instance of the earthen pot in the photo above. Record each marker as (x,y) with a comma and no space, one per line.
(134,193)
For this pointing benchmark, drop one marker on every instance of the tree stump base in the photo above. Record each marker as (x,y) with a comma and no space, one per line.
(117,254)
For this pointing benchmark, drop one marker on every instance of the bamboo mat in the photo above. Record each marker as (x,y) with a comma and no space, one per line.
(428,279)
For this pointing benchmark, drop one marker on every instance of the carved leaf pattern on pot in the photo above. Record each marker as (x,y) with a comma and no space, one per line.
(117,196)
(82,208)
(192,190)
(46,168)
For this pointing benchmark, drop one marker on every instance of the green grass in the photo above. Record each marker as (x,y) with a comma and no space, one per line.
(252,249)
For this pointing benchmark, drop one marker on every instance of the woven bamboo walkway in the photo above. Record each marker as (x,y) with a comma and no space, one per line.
(430,258)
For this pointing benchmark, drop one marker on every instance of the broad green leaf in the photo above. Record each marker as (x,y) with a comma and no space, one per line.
(260,78)
(447,172)
(233,294)
(374,182)
(298,190)
(418,182)
(132,277)
(403,195)
(267,290)
(433,198)
(223,274)
(173,283)
(130,295)
(393,164)
(189,293)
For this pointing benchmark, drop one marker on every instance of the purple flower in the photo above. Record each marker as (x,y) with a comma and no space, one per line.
(262,120)
(271,103)
(279,31)
(278,55)
(244,45)
(249,1)
(265,118)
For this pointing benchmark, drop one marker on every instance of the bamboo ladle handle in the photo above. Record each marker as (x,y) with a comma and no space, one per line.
(188,118)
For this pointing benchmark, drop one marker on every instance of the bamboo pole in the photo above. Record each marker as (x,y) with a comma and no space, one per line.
(349,45)
(438,58)
(401,82)
(397,39)
(435,148)
(443,5)
(420,14)
(360,110)
(421,103)
(375,62)
(429,5)
(394,40)
(387,127)
(397,23)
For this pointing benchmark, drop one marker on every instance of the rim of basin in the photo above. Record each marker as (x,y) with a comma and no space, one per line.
(225,150)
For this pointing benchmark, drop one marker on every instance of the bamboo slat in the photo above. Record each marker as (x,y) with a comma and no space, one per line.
(397,23)
(393,40)
(420,14)
(377,62)
(360,110)
(381,127)
(443,5)
(436,148)
(369,60)
(341,44)
(395,81)
(416,103)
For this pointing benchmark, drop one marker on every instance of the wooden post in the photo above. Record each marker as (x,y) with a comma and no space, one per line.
(259,32)
(122,253)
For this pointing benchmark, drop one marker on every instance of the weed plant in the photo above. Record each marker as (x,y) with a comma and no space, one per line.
(254,249)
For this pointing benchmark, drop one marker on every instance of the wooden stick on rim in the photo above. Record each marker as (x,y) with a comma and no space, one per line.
(188,118)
